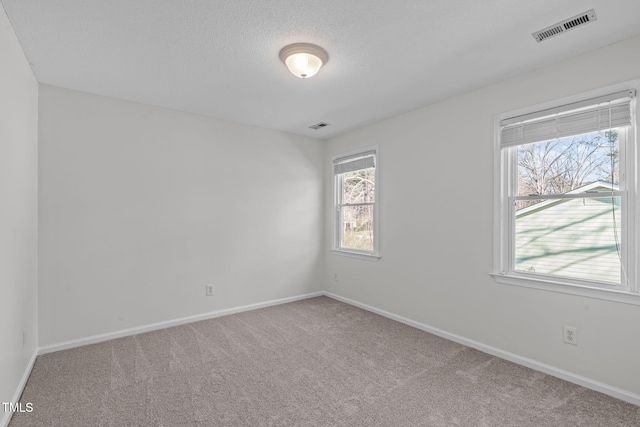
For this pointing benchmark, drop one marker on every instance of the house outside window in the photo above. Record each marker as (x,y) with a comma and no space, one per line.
(565,196)
(355,218)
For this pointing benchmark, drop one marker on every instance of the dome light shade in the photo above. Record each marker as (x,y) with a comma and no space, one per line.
(303,59)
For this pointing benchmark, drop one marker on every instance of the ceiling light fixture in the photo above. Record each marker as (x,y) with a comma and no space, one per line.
(303,59)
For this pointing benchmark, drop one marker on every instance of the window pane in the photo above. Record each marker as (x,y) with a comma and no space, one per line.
(357,227)
(567,164)
(359,186)
(575,238)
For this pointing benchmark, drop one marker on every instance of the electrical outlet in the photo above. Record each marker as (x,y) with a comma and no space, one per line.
(209,290)
(335,277)
(570,335)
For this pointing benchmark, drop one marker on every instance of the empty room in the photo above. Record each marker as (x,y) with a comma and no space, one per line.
(319,213)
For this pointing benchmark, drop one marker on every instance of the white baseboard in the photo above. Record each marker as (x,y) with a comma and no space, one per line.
(6,416)
(529,363)
(169,323)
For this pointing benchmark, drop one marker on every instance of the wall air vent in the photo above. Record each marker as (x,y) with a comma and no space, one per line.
(319,126)
(566,25)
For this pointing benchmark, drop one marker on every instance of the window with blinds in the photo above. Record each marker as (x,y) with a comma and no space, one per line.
(565,202)
(355,216)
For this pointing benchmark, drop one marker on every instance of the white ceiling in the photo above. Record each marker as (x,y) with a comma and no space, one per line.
(220,57)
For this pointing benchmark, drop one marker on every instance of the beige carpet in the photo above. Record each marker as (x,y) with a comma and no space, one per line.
(316,362)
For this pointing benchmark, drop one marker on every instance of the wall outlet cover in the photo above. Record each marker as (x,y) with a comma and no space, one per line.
(570,335)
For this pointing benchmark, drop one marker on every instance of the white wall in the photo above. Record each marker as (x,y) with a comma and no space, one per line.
(436,229)
(140,207)
(18,211)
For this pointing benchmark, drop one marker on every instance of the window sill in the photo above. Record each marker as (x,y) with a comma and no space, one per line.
(368,257)
(585,291)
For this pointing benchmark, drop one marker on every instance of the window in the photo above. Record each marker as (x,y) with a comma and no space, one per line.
(355,202)
(564,205)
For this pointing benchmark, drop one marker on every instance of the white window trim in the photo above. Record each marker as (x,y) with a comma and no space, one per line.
(502,244)
(554,285)
(353,254)
(335,220)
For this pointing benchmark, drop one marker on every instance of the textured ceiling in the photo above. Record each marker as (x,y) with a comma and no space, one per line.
(220,57)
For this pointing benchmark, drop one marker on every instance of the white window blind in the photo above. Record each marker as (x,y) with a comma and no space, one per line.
(353,163)
(592,115)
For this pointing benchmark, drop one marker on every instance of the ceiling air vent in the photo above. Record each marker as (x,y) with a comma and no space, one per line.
(566,25)
(319,126)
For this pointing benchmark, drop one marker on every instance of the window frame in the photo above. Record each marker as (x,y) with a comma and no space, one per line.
(505,182)
(336,217)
